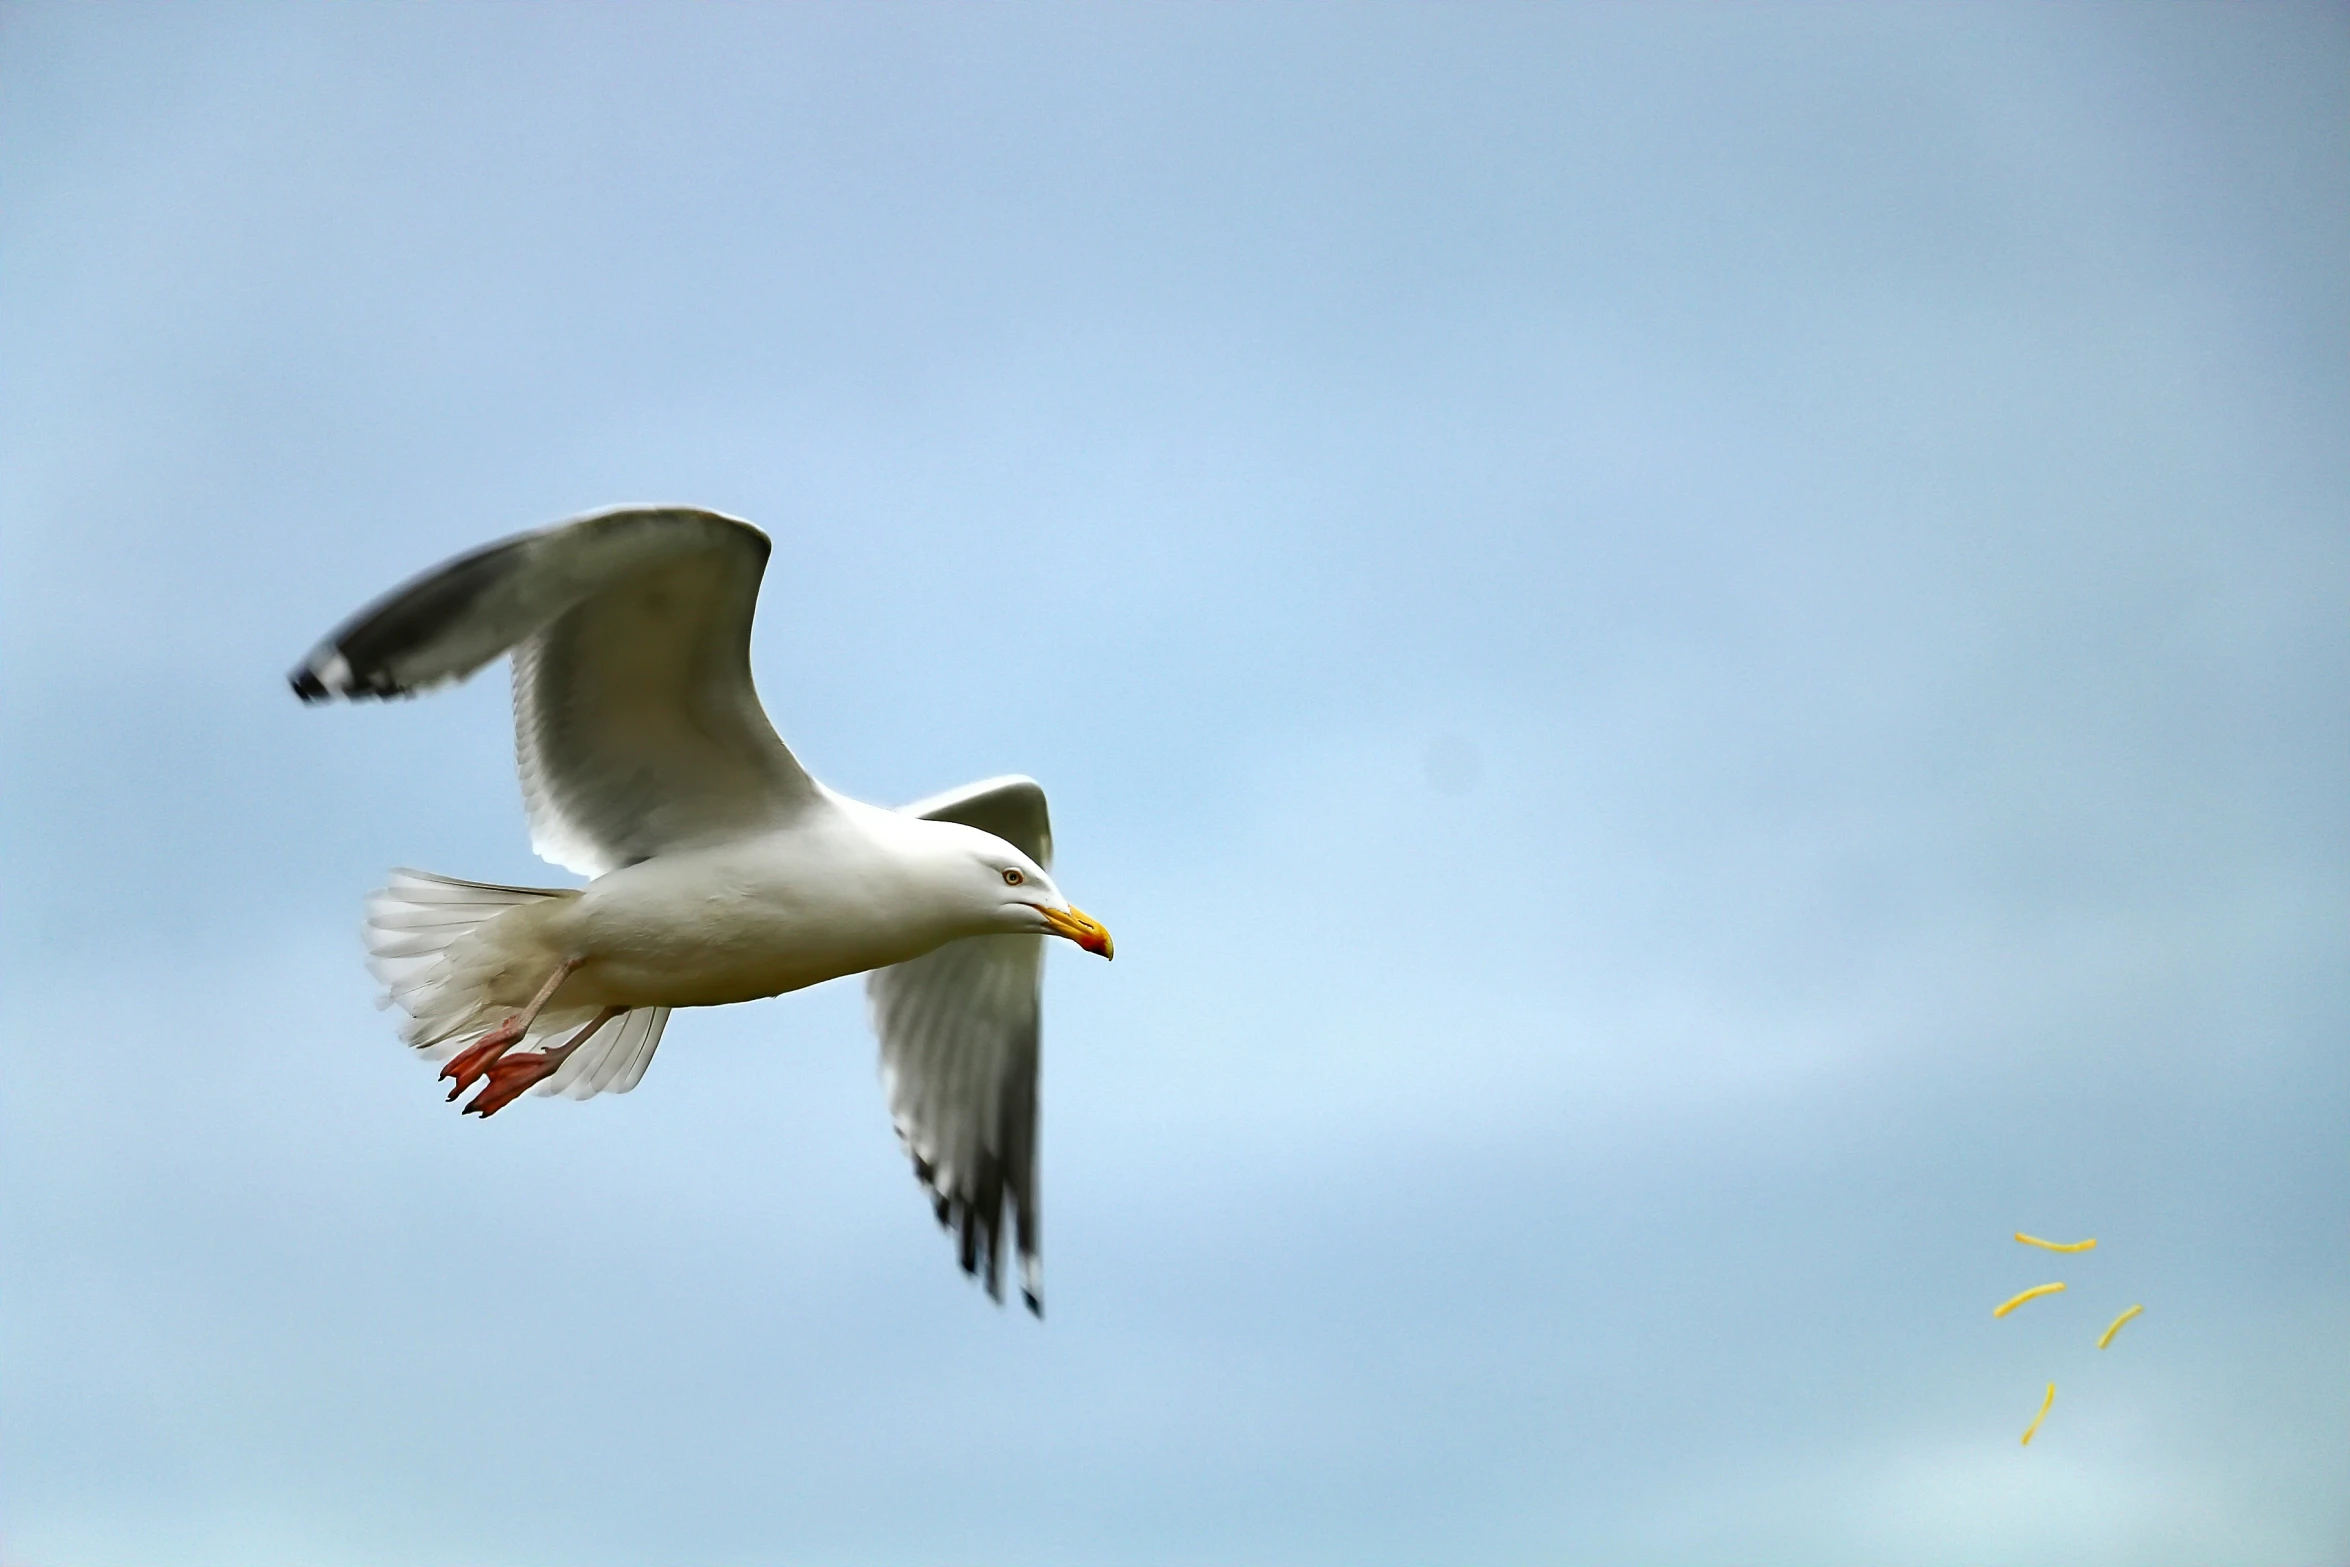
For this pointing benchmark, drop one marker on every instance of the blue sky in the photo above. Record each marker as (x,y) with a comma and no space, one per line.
(1697,652)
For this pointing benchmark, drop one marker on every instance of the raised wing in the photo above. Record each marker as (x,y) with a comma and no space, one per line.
(636,726)
(960,1030)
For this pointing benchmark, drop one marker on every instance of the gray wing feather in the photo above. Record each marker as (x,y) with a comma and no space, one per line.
(637,726)
(1011,807)
(960,1030)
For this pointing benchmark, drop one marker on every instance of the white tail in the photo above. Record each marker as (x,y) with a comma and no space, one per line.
(445,954)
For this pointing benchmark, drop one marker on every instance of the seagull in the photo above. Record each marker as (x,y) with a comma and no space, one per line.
(720,871)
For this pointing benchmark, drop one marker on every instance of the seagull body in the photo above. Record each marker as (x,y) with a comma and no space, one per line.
(722,872)
(845,889)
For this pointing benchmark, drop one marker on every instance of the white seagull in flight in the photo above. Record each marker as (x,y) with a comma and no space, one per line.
(721,871)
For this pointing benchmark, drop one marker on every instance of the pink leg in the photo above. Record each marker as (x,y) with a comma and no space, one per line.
(476,1059)
(510,1077)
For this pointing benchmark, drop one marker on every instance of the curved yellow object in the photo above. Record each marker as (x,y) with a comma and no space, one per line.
(2034,1293)
(2033,1240)
(2106,1337)
(2033,1429)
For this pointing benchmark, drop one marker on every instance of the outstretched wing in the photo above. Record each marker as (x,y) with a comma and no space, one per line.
(636,726)
(959,1030)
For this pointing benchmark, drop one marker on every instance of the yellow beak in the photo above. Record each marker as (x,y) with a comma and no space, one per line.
(1081,928)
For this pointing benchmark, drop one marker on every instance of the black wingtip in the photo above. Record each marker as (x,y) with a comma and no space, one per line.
(307,685)
(1035,1304)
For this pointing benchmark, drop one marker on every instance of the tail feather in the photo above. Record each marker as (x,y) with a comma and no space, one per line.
(434,943)
(612,1061)
(426,945)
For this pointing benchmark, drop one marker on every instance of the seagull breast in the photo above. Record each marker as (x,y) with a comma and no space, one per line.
(842,890)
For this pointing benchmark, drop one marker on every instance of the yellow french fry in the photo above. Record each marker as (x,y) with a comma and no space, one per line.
(2106,1337)
(2034,1293)
(2033,1429)
(2033,1240)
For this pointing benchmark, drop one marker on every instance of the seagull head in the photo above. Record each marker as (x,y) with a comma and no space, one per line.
(1015,894)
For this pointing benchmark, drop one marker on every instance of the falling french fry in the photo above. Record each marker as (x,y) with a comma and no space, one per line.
(2033,1429)
(2034,1293)
(2115,1326)
(2033,1240)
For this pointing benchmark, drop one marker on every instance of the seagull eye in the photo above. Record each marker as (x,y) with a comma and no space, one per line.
(1013,878)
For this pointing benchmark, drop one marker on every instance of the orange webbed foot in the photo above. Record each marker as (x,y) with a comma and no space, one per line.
(482,1057)
(510,1077)
(469,1065)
